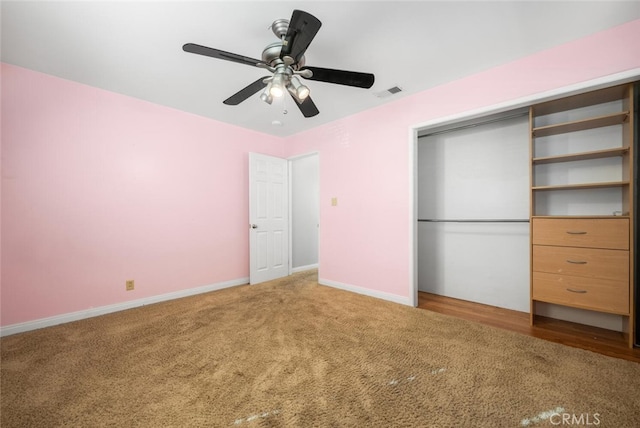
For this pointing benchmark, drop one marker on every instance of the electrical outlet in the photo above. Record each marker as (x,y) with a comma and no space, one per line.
(130,285)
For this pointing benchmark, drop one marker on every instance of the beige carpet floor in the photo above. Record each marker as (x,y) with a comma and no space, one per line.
(292,353)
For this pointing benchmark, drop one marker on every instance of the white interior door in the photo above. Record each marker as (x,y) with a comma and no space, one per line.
(268,218)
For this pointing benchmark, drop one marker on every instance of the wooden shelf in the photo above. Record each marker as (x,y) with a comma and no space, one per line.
(584,307)
(597,154)
(581,125)
(582,186)
(600,96)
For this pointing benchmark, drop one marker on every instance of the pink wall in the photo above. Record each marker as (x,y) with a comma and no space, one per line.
(364,159)
(98,188)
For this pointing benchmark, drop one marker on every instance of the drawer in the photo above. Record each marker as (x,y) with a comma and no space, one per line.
(588,262)
(610,233)
(586,293)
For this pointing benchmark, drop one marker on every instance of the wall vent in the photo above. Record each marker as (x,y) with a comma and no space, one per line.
(388,92)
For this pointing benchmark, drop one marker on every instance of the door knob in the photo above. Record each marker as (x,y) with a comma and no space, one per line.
(254,226)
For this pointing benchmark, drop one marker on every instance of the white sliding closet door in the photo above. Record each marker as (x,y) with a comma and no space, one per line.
(473,211)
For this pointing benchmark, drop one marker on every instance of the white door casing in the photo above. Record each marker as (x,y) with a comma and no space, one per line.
(268,218)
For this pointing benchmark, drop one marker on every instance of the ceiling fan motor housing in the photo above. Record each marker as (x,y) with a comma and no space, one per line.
(271,56)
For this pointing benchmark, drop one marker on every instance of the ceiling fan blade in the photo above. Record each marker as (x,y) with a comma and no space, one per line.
(245,93)
(303,27)
(307,107)
(341,77)
(217,53)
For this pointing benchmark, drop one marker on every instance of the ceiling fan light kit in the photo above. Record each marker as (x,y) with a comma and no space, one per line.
(297,89)
(285,60)
(277,84)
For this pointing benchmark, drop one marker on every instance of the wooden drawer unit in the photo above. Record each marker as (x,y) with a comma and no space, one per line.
(585,262)
(610,233)
(581,262)
(580,292)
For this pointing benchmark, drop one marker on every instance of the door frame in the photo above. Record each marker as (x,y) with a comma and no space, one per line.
(290,161)
(289,193)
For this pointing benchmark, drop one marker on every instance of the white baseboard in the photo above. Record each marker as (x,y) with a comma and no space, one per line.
(303,268)
(94,312)
(367,292)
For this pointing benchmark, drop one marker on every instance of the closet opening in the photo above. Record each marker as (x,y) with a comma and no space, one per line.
(473,210)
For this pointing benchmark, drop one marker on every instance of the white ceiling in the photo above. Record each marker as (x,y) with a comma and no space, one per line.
(135,48)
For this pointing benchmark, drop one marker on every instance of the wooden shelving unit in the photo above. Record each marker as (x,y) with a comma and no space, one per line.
(595,154)
(571,254)
(582,186)
(581,125)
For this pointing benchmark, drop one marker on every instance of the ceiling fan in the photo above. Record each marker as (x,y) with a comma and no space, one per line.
(285,60)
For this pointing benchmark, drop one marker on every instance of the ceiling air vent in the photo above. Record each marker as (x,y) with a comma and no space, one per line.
(388,92)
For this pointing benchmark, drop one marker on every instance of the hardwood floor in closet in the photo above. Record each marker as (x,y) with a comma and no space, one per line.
(594,339)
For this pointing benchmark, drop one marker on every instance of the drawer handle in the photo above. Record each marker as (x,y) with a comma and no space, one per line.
(576,291)
(577,262)
(576,232)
